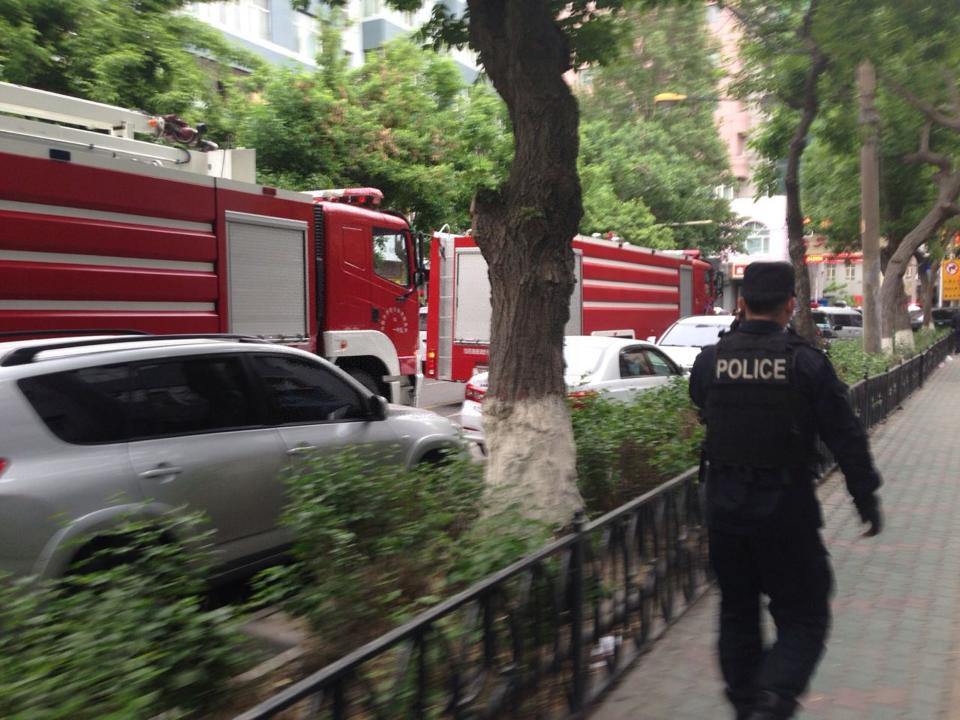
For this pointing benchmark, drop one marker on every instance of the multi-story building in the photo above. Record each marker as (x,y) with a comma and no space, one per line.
(764,218)
(270,28)
(285,36)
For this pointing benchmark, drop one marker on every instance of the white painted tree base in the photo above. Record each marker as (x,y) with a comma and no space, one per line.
(532,459)
(904,339)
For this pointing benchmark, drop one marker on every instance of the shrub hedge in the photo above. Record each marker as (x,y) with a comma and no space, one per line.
(128,636)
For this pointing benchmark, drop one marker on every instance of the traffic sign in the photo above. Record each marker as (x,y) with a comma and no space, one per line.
(950,279)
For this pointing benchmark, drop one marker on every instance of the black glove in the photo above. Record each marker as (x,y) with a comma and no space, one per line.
(871,514)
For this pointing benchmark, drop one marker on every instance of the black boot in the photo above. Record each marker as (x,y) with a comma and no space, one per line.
(771,706)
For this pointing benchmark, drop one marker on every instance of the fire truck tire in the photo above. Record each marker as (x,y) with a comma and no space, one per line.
(365,379)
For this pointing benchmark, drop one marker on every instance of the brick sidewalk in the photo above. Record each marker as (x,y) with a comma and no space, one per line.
(894,651)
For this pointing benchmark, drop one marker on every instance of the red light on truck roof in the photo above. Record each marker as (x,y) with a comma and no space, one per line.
(366,197)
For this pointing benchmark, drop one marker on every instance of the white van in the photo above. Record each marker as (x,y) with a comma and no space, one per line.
(840,322)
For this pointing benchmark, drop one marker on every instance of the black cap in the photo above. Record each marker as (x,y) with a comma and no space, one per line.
(768,282)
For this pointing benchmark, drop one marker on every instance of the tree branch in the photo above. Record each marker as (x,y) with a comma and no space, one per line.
(933,114)
(925,155)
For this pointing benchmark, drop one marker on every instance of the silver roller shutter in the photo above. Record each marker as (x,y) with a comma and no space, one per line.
(267,278)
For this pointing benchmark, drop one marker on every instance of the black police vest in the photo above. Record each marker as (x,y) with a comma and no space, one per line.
(754,414)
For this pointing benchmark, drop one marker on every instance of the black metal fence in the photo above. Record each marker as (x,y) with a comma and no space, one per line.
(546,636)
(874,398)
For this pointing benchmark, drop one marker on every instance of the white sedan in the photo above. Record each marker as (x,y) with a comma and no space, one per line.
(684,340)
(616,367)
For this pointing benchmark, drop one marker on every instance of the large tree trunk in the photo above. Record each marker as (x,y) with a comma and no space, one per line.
(525,233)
(795,237)
(891,291)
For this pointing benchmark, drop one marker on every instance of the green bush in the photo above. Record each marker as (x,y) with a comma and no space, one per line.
(625,449)
(371,542)
(131,639)
(853,364)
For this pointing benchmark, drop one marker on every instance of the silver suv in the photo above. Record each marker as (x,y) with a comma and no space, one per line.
(99,429)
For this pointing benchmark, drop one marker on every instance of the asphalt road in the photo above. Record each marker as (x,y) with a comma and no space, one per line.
(443,398)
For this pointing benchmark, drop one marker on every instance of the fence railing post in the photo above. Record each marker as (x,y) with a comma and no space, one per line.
(579,684)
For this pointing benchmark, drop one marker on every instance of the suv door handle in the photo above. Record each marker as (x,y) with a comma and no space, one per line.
(162,471)
(301,450)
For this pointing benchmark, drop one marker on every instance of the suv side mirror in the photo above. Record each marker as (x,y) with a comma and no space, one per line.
(376,407)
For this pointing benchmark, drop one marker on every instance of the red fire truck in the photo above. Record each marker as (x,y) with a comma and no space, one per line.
(101,231)
(621,290)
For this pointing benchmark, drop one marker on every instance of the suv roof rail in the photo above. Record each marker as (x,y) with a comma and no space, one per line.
(24,355)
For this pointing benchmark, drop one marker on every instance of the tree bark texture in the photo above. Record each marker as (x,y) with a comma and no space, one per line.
(524,232)
(795,237)
(870,206)
(891,291)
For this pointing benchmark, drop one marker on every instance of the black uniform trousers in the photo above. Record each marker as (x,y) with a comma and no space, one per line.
(789,564)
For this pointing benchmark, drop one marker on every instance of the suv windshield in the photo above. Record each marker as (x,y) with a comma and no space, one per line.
(692,335)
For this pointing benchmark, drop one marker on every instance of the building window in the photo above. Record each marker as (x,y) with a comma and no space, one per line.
(371,7)
(259,14)
(724,192)
(831,272)
(306,36)
(851,271)
(741,145)
(758,238)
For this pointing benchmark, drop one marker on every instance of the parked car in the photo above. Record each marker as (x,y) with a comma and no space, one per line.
(943,317)
(99,429)
(916,318)
(841,322)
(684,340)
(616,367)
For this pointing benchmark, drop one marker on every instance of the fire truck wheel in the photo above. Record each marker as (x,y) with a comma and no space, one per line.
(365,379)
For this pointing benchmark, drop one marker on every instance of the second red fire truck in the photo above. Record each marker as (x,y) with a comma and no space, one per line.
(621,290)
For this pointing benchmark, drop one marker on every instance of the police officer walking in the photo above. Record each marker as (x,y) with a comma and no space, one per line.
(765,395)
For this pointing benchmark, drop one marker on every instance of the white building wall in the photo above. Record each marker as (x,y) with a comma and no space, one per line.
(770,212)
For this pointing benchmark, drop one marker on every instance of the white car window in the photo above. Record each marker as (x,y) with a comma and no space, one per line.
(660,363)
(634,363)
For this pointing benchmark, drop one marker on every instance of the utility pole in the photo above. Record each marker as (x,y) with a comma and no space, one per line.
(870,206)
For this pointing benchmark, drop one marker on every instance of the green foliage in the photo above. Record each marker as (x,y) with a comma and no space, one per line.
(135,54)
(370,537)
(492,543)
(128,637)
(853,364)
(625,449)
(403,123)
(647,169)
